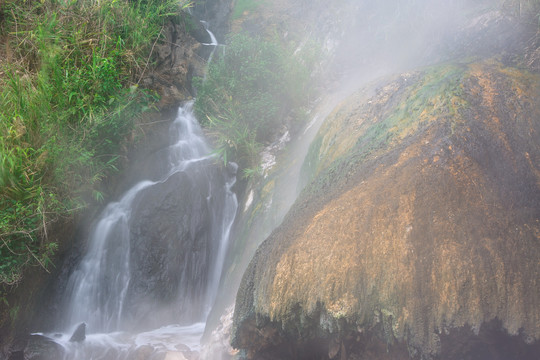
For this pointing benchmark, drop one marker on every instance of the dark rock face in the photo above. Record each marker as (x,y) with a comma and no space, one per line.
(171,246)
(419,236)
(182,55)
(79,334)
(42,348)
(34,347)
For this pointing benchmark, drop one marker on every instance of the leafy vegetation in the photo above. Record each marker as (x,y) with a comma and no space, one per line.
(69,99)
(249,90)
(242,6)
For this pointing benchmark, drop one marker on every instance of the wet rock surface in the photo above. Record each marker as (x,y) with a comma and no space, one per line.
(171,246)
(421,224)
(178,58)
(39,348)
(79,334)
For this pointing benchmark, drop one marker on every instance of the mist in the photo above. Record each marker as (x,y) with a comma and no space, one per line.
(370,38)
(191,237)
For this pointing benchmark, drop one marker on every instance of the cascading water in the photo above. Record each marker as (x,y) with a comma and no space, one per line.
(98,287)
(213,43)
(155,257)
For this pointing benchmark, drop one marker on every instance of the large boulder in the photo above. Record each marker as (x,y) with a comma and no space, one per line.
(172,247)
(419,234)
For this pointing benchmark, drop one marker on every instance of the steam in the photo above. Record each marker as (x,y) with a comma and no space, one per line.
(394,36)
(363,40)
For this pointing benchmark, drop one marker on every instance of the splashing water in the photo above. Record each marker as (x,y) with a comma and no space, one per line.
(137,283)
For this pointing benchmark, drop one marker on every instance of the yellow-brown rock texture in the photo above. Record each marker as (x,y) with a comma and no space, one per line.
(422,221)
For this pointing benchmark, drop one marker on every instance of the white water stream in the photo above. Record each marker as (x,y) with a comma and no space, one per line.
(99,288)
(213,42)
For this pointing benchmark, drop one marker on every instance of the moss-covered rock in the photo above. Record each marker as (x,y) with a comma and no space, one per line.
(423,219)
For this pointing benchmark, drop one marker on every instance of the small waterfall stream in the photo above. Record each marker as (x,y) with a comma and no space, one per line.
(213,43)
(154,258)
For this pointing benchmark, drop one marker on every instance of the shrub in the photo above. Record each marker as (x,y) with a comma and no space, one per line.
(250,88)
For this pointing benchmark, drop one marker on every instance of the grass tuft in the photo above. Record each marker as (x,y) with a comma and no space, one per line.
(69,100)
(251,89)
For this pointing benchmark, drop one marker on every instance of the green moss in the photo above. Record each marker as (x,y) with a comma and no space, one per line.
(438,96)
(13,314)
(311,161)
(410,105)
(268,189)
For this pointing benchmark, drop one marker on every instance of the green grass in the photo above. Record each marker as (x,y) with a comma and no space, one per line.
(69,101)
(249,92)
(241,6)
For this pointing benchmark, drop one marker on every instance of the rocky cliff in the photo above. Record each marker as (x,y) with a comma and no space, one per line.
(419,235)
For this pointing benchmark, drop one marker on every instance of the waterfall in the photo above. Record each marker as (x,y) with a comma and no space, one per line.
(213,43)
(97,288)
(154,258)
